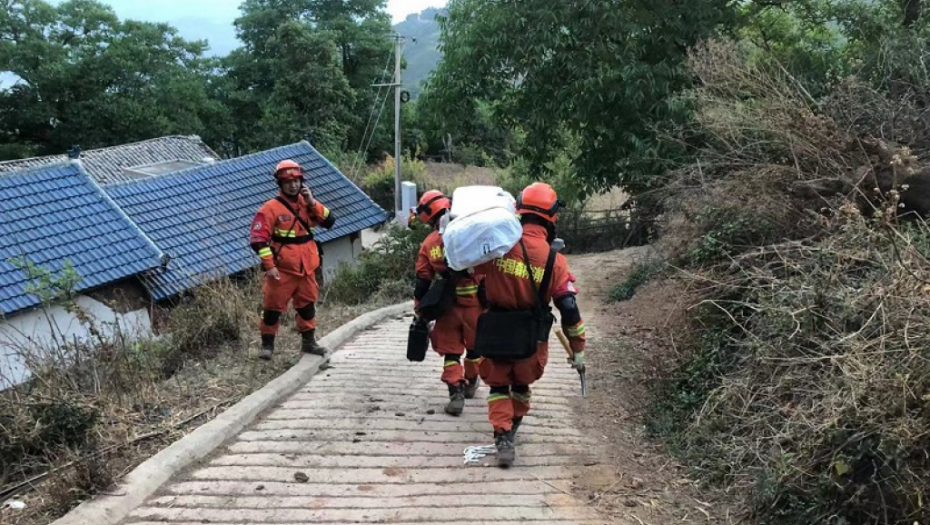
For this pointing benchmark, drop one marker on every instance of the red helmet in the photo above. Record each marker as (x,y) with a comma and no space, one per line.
(287,170)
(539,199)
(431,203)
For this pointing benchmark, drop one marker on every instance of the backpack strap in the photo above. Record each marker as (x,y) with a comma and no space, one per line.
(547,276)
(296,216)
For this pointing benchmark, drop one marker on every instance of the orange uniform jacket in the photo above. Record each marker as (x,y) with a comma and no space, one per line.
(431,261)
(282,241)
(507,285)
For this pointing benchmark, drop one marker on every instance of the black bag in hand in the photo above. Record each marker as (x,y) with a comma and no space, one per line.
(417,341)
(510,335)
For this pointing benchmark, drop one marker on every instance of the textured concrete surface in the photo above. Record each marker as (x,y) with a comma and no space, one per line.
(148,477)
(372,444)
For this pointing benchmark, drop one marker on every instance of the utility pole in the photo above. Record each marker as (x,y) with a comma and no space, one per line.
(399,214)
(398,47)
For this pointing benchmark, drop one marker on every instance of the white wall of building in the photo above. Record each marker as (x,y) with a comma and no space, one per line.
(29,336)
(345,249)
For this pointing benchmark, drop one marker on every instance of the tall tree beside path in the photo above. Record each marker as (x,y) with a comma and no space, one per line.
(603,70)
(306,68)
(89,78)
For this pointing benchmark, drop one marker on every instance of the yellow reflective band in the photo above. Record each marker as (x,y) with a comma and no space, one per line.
(285,233)
(451,363)
(498,397)
(325,213)
(264,253)
(466,290)
(474,360)
(576,331)
(525,398)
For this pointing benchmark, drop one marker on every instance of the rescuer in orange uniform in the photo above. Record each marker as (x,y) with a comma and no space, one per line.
(282,236)
(453,335)
(506,287)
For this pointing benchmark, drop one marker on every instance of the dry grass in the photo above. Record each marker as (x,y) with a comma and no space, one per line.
(806,388)
(89,425)
(825,395)
(447,177)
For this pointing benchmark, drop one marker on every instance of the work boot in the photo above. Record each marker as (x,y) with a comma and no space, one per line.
(516,424)
(456,400)
(267,347)
(506,453)
(309,345)
(471,388)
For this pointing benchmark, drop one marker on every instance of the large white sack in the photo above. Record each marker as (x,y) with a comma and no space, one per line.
(467,200)
(480,237)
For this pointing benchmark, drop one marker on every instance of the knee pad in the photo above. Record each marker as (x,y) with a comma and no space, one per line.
(521,389)
(307,312)
(568,307)
(270,317)
(500,390)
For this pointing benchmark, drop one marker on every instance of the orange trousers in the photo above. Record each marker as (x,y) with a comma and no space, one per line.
(452,336)
(301,288)
(510,386)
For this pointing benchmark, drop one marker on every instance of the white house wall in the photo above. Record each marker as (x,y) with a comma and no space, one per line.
(338,251)
(29,335)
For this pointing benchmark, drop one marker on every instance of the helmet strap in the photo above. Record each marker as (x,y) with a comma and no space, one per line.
(434,222)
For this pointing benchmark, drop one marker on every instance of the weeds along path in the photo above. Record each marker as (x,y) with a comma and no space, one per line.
(637,482)
(366,441)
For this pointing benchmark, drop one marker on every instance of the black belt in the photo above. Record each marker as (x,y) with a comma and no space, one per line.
(303,239)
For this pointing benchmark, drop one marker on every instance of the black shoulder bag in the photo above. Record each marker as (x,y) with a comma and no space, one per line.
(510,335)
(439,299)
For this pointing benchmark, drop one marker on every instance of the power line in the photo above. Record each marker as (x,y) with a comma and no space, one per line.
(359,158)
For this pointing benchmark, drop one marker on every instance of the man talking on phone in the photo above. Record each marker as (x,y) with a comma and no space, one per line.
(282,236)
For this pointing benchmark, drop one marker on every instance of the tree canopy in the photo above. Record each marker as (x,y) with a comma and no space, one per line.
(85,76)
(601,70)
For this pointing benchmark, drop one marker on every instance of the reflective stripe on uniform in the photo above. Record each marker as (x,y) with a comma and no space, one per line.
(325,213)
(285,233)
(451,363)
(576,330)
(466,290)
(265,253)
(523,398)
(498,397)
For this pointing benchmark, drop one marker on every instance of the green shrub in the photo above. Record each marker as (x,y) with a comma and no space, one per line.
(387,269)
(641,273)
(471,155)
(379,182)
(729,231)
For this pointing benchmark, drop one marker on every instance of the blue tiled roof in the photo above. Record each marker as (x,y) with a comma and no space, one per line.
(108,165)
(55,214)
(200,217)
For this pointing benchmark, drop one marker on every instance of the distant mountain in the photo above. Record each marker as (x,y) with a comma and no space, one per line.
(422,32)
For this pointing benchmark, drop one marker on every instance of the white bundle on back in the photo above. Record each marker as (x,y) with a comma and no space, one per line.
(483,226)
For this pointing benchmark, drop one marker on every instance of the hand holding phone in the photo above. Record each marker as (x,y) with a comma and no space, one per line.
(308,195)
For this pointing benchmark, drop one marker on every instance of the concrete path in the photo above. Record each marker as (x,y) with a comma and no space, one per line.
(366,441)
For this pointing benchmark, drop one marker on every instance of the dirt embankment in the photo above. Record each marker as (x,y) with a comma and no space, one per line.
(639,483)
